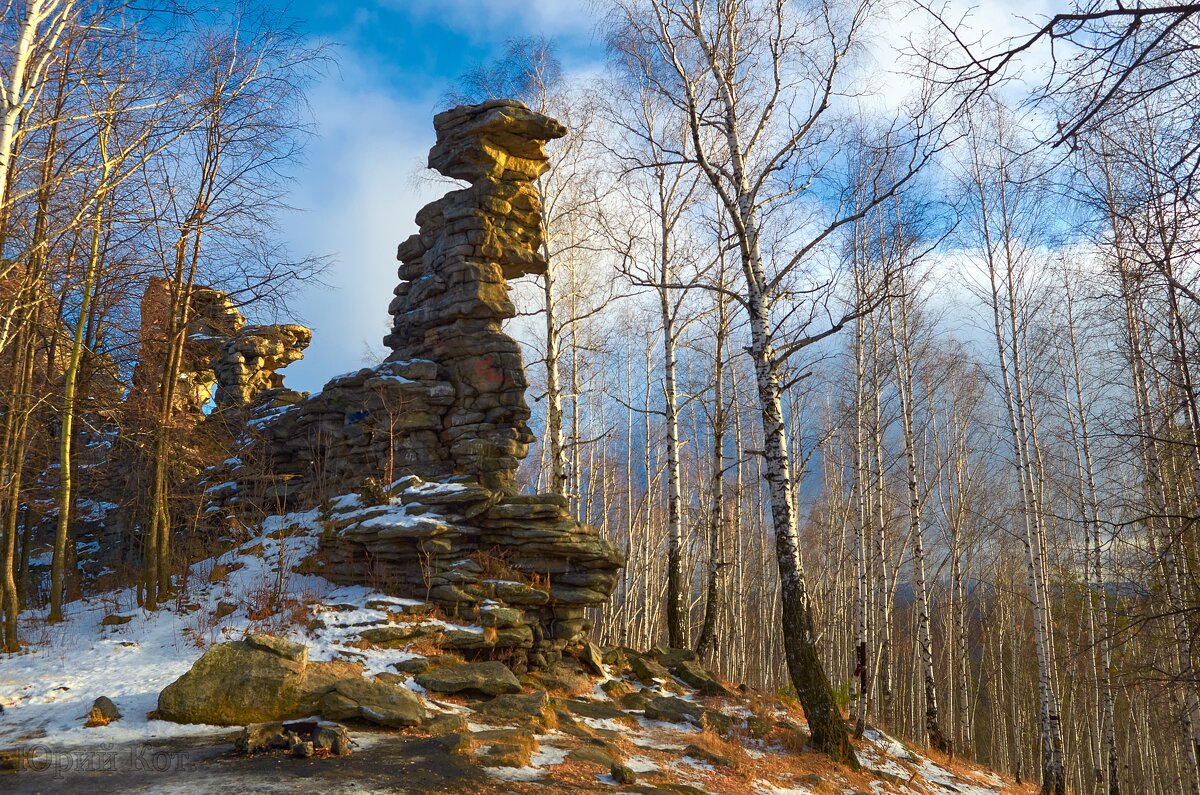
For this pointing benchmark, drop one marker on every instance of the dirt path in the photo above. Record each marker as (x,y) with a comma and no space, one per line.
(391,764)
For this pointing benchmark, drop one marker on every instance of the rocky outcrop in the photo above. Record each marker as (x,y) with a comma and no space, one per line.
(375,423)
(450,399)
(212,318)
(518,565)
(224,361)
(248,361)
(432,437)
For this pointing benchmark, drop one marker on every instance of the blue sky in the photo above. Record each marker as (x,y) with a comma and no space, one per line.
(358,188)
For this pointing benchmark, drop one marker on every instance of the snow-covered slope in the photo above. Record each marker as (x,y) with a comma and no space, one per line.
(47,690)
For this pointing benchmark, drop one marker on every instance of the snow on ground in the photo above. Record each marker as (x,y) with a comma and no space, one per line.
(887,755)
(640,764)
(762,787)
(47,690)
(548,756)
(655,743)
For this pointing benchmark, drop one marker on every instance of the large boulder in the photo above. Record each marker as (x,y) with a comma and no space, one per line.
(677,710)
(493,678)
(377,702)
(256,680)
(524,708)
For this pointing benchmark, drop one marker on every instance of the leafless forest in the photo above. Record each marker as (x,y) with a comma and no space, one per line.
(882,371)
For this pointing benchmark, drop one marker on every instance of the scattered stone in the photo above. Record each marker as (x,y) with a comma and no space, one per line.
(598,709)
(525,708)
(102,713)
(261,737)
(445,723)
(707,756)
(593,659)
(694,675)
(647,670)
(115,620)
(302,749)
(616,688)
(492,678)
(562,678)
(224,609)
(676,710)
(758,728)
(332,737)
(414,665)
(593,755)
(622,774)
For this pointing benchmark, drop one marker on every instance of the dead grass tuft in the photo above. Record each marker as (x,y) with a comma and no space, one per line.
(732,750)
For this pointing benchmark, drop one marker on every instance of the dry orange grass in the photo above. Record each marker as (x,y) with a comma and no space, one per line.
(730,749)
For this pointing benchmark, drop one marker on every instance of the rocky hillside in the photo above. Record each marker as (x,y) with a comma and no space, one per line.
(347,689)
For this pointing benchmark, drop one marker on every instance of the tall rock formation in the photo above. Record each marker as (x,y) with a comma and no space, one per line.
(453,293)
(248,362)
(432,437)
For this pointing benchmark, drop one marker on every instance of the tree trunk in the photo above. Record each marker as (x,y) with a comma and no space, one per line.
(902,358)
(707,641)
(677,612)
(799,638)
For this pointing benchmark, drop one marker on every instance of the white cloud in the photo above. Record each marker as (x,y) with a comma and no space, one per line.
(358,196)
(483,18)
(357,190)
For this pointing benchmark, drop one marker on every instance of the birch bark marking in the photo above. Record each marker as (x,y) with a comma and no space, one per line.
(999,252)
(19,86)
(902,357)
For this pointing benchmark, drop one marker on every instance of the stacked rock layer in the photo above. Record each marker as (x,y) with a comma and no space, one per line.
(432,437)
(224,360)
(518,565)
(453,293)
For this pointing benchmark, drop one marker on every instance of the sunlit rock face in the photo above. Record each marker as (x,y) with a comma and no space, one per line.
(248,362)
(211,319)
(453,294)
(431,438)
(224,361)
